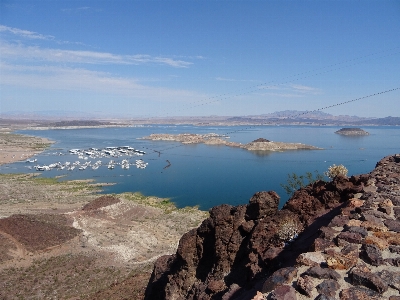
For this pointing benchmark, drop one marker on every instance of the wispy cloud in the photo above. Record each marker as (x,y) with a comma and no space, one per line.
(26,33)
(232,79)
(35,53)
(80,9)
(224,79)
(31,35)
(290,90)
(305,89)
(62,78)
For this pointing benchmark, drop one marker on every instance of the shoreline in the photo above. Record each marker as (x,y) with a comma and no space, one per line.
(16,147)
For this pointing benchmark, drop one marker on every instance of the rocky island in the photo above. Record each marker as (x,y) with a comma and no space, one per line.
(352,131)
(260,144)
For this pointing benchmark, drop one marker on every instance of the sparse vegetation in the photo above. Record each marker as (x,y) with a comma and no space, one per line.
(288,229)
(295,182)
(335,170)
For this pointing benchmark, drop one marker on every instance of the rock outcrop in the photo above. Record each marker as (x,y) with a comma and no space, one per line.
(259,144)
(346,228)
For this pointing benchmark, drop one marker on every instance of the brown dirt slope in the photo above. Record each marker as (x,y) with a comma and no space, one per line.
(38,232)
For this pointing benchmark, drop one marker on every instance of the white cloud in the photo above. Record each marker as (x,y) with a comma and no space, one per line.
(26,33)
(232,79)
(35,53)
(290,90)
(73,79)
(224,79)
(305,89)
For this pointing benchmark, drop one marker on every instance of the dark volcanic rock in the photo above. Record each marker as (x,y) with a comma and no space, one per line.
(396,211)
(280,277)
(322,273)
(394,249)
(391,278)
(328,287)
(339,221)
(324,297)
(349,237)
(284,292)
(369,280)
(393,225)
(372,255)
(305,285)
(356,229)
(393,261)
(322,244)
(359,293)
(262,204)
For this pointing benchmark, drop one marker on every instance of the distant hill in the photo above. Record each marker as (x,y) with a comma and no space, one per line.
(312,117)
(292,117)
(48,115)
(76,123)
(296,113)
(393,121)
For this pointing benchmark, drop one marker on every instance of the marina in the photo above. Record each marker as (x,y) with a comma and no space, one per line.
(83,162)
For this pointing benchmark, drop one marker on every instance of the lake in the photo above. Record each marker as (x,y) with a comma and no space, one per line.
(207,175)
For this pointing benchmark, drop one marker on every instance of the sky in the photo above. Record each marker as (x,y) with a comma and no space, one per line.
(199,58)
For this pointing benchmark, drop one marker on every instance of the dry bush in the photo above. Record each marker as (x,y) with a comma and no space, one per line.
(288,229)
(335,170)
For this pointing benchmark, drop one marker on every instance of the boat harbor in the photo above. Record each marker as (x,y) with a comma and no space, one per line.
(94,158)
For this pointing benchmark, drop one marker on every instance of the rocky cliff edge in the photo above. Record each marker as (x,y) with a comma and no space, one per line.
(335,240)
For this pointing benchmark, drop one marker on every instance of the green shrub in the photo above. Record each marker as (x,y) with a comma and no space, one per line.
(295,182)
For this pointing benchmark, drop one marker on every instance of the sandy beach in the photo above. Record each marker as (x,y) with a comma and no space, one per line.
(18,147)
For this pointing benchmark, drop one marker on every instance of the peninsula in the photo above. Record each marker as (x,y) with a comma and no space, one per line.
(260,144)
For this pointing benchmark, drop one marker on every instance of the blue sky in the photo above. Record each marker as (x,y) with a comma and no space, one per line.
(188,58)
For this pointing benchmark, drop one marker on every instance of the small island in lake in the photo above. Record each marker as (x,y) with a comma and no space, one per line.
(352,131)
(260,144)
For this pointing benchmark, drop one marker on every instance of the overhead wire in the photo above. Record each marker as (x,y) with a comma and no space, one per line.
(296,77)
(286,80)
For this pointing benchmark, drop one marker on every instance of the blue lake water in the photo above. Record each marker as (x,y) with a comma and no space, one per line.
(207,175)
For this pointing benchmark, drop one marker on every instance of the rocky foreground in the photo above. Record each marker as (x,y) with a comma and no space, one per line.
(336,240)
(260,144)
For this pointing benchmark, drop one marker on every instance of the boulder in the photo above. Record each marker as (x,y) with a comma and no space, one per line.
(328,287)
(322,273)
(359,293)
(369,280)
(284,292)
(372,255)
(279,277)
(305,285)
(262,204)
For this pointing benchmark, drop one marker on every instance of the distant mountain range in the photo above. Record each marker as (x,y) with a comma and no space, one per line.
(293,117)
(314,117)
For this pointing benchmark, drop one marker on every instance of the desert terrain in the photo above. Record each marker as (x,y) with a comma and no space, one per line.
(65,240)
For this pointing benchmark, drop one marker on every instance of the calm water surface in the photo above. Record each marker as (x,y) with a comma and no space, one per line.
(210,175)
